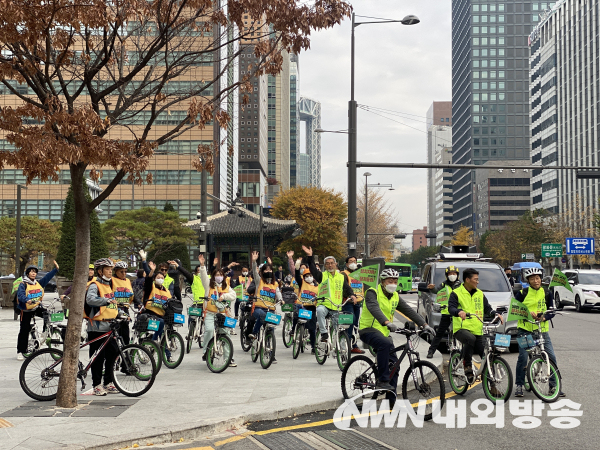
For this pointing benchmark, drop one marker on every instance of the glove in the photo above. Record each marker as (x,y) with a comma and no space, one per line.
(549,315)
(392,326)
(429,330)
(143,255)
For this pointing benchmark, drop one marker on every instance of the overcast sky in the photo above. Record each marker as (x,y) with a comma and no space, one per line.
(399,68)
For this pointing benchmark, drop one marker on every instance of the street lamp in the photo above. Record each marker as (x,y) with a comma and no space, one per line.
(352,110)
(367,186)
(18,243)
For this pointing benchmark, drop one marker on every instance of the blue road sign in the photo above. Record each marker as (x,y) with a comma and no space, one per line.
(580,246)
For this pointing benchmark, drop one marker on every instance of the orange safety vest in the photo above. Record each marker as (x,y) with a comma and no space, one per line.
(123,291)
(214,294)
(158,300)
(308,292)
(266,296)
(107,312)
(35,294)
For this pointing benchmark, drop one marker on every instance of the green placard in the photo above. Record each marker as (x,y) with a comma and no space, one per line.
(517,311)
(324,290)
(57,317)
(560,279)
(552,250)
(442,297)
(367,275)
(239,291)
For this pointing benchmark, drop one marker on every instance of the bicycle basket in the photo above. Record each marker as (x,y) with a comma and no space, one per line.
(289,297)
(526,342)
(288,307)
(502,340)
(345,319)
(273,318)
(141,324)
(220,320)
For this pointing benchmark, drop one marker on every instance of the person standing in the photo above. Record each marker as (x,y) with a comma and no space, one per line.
(279,273)
(30,294)
(511,280)
(123,295)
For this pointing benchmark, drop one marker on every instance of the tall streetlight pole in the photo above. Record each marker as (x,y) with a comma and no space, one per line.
(352,110)
(18,240)
(367,186)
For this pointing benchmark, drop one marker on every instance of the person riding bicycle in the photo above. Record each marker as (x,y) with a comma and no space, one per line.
(537,302)
(353,307)
(467,299)
(376,322)
(241,280)
(30,294)
(339,287)
(100,305)
(156,296)
(446,287)
(123,295)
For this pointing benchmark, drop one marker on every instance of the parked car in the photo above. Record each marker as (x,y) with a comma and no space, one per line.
(586,290)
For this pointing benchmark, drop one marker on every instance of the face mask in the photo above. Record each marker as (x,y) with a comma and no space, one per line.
(352,266)
(90,278)
(268,276)
(309,280)
(245,274)
(391,288)
(159,281)
(219,280)
(106,278)
(452,278)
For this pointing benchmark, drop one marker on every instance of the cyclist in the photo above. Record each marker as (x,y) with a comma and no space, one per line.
(537,302)
(267,294)
(449,284)
(308,291)
(467,299)
(29,301)
(376,322)
(100,305)
(243,280)
(123,295)
(156,296)
(353,307)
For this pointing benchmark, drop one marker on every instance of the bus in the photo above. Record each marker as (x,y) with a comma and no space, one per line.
(405,279)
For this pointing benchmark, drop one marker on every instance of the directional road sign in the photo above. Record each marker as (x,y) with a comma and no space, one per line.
(552,250)
(580,246)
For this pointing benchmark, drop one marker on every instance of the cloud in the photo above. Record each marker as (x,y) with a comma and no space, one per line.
(399,68)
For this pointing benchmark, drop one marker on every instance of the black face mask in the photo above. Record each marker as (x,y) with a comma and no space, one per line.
(268,276)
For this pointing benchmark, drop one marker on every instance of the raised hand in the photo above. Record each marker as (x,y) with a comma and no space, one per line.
(290,254)
(254,256)
(215,262)
(269,261)
(307,250)
(201,259)
(174,263)
(152,266)
(55,264)
(143,255)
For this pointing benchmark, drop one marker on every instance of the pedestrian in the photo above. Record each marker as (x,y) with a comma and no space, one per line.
(511,280)
(30,294)
(279,273)
(67,291)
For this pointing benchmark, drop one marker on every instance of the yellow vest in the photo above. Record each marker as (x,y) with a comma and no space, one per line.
(107,312)
(469,304)
(336,283)
(35,294)
(158,300)
(442,297)
(198,290)
(387,306)
(307,293)
(266,297)
(167,282)
(536,303)
(122,290)
(214,294)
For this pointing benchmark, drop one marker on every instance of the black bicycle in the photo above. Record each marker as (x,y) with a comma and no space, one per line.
(134,370)
(245,322)
(422,380)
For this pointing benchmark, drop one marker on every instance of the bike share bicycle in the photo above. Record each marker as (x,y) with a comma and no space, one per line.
(246,322)
(134,370)
(301,337)
(195,324)
(219,351)
(53,334)
(496,375)
(336,323)
(288,307)
(264,345)
(422,379)
(142,334)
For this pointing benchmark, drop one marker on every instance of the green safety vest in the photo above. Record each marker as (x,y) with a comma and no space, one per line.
(387,306)
(442,297)
(472,304)
(167,282)
(535,302)
(336,285)
(16,284)
(197,290)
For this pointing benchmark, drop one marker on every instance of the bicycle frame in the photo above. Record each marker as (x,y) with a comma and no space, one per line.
(329,327)
(488,351)
(539,350)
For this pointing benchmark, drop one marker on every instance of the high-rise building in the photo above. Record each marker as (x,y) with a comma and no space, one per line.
(294,118)
(419,239)
(439,181)
(564,104)
(490,91)
(310,112)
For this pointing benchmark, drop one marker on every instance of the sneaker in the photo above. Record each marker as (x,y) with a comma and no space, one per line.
(233,333)
(312,351)
(20,357)
(357,350)
(324,337)
(251,336)
(430,353)
(384,385)
(100,391)
(274,361)
(204,357)
(519,391)
(468,371)
(232,363)
(562,394)
(111,389)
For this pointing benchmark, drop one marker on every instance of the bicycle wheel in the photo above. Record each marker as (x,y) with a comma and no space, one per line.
(343,351)
(286,331)
(39,374)
(134,371)
(254,351)
(219,356)
(546,388)
(154,350)
(429,387)
(267,351)
(55,341)
(298,340)
(200,332)
(190,336)
(320,349)
(359,377)
(32,346)
(501,388)
(246,343)
(176,347)
(456,374)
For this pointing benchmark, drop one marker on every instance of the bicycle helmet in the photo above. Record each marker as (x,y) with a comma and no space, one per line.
(388,273)
(31,268)
(104,262)
(452,269)
(121,265)
(91,266)
(530,271)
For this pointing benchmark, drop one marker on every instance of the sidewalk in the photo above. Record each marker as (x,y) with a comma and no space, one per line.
(187,402)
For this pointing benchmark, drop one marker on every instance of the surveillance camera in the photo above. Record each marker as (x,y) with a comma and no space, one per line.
(198,215)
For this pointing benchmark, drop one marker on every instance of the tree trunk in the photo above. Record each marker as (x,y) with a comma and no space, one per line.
(67,386)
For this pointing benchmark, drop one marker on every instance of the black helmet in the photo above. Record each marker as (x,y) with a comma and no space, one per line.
(452,269)
(29,268)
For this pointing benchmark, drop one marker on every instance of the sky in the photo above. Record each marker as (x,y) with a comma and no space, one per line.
(398,68)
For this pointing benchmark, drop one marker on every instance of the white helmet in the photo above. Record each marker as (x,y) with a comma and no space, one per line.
(388,273)
(530,271)
(120,265)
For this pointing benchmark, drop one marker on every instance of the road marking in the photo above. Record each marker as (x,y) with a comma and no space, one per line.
(201,448)
(5,423)
(234,439)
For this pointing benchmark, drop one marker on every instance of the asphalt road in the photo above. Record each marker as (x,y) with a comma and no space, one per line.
(576,343)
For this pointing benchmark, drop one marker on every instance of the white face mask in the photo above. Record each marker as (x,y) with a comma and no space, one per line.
(391,288)
(106,278)
(219,279)
(159,281)
(352,266)
(452,278)
(309,280)
(245,274)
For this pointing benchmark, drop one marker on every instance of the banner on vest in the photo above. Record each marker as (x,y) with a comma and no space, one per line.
(518,311)
(560,279)
(442,297)
(368,275)
(325,290)
(239,291)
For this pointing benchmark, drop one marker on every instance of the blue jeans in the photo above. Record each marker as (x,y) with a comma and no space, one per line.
(161,326)
(523,359)
(353,309)
(259,314)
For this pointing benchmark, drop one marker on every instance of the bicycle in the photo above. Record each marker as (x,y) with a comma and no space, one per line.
(244,319)
(264,345)
(142,335)
(53,334)
(171,342)
(543,377)
(301,337)
(134,370)
(195,324)
(342,342)
(355,337)
(220,347)
(451,342)
(496,375)
(288,319)
(359,377)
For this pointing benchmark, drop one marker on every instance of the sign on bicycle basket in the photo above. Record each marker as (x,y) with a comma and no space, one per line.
(526,342)
(57,317)
(229,322)
(345,319)
(178,318)
(502,340)
(305,314)
(273,318)
(289,307)
(153,325)
(194,312)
